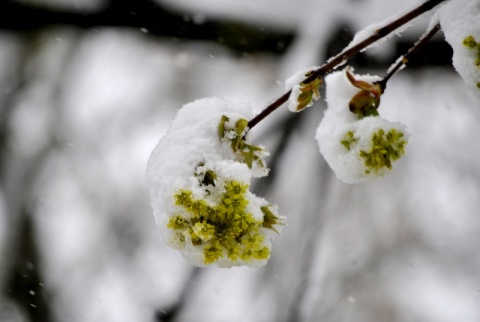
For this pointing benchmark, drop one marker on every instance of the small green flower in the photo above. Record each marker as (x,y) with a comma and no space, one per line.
(471,43)
(203,230)
(349,140)
(183,199)
(212,253)
(177,223)
(385,148)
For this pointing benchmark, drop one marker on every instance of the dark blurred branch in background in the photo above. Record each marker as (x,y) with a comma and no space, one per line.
(164,22)
(25,285)
(171,313)
(155,19)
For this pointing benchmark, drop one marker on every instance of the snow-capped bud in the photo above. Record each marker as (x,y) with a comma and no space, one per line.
(252,155)
(357,149)
(367,100)
(303,95)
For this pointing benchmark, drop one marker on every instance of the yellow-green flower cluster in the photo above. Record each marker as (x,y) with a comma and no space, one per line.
(385,148)
(225,229)
(348,140)
(471,43)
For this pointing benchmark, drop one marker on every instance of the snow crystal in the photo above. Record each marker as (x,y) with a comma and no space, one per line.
(460,21)
(357,149)
(197,180)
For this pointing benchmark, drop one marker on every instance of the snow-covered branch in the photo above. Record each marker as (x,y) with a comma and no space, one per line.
(364,39)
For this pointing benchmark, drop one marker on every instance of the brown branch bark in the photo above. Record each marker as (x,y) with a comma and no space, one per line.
(403,60)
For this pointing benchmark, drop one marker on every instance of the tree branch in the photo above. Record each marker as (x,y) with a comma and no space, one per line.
(403,60)
(348,53)
(147,15)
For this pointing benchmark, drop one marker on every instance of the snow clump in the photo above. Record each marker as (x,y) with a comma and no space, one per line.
(357,147)
(199,177)
(460,21)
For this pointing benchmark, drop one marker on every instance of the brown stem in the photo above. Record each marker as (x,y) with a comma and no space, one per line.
(349,52)
(403,60)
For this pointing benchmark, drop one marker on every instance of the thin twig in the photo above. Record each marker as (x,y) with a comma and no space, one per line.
(348,53)
(403,60)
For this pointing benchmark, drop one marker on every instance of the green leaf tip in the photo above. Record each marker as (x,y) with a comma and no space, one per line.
(349,140)
(270,219)
(248,153)
(309,92)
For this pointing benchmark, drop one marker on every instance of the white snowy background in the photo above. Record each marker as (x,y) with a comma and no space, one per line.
(87,106)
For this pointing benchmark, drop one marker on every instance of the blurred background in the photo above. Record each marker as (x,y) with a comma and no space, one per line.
(88,87)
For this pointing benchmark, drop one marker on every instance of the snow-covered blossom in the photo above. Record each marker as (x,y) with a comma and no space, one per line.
(303,95)
(460,21)
(357,147)
(199,177)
